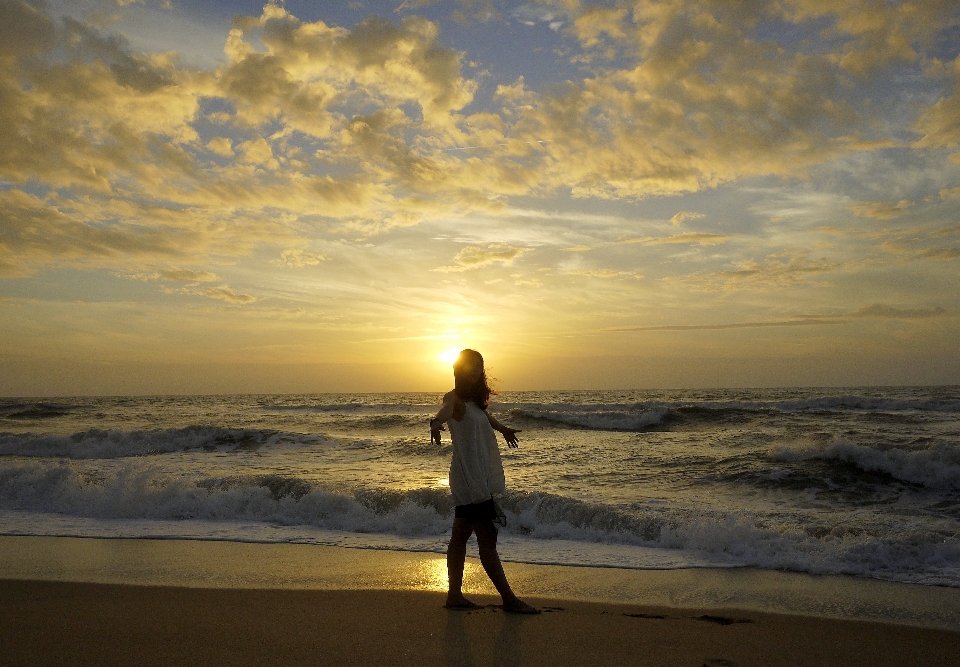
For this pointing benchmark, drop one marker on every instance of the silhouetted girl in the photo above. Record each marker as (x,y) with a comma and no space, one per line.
(476,473)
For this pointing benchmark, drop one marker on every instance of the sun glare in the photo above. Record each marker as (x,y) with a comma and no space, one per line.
(449,356)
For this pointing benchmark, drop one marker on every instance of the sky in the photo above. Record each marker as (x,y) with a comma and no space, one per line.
(223,197)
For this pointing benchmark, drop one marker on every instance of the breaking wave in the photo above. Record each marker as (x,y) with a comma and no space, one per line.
(138,490)
(937,467)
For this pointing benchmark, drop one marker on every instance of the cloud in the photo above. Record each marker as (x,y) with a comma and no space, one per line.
(175,275)
(474,257)
(876,310)
(222,293)
(683,216)
(25,30)
(696,238)
(324,129)
(94,114)
(606,273)
(939,124)
(885,311)
(699,94)
(257,151)
(226,294)
(773,272)
(943,253)
(298,258)
(531,14)
(880,210)
(34,233)
(221,146)
(949,230)
(949,194)
(309,67)
(82,111)
(594,22)
(800,322)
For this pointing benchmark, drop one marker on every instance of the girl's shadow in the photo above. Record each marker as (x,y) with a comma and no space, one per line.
(506,647)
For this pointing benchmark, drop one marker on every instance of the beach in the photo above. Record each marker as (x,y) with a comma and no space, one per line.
(723,527)
(117,602)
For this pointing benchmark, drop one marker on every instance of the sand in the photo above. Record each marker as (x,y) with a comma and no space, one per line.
(60,623)
(142,602)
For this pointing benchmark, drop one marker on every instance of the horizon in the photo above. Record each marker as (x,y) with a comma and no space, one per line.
(496,391)
(290,198)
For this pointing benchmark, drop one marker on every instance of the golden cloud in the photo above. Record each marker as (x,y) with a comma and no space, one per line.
(697,238)
(473,257)
(752,274)
(880,210)
(221,146)
(876,310)
(298,258)
(709,99)
(942,253)
(683,216)
(175,275)
(365,129)
(606,273)
(34,233)
(222,293)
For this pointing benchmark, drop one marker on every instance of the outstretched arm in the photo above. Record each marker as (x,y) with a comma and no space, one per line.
(509,434)
(443,416)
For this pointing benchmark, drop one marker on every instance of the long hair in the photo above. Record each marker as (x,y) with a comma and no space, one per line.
(479,391)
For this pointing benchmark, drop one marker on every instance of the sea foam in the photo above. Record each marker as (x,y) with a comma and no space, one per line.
(137,490)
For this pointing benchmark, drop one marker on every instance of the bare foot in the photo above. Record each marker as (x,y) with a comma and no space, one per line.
(518,606)
(460,602)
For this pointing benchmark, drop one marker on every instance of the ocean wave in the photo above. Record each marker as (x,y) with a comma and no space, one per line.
(34,410)
(866,403)
(600,418)
(654,415)
(645,416)
(105,444)
(937,467)
(139,490)
(628,415)
(352,408)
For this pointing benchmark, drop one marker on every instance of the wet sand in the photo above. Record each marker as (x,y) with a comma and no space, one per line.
(58,623)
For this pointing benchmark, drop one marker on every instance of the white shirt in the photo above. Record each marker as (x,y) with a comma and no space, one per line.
(476,471)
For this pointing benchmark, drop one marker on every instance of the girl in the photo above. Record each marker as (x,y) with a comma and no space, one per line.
(476,473)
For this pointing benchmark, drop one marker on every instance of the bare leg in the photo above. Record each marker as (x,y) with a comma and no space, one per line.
(456,555)
(490,559)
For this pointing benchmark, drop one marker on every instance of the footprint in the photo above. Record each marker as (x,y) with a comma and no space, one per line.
(722,620)
(719,662)
(645,615)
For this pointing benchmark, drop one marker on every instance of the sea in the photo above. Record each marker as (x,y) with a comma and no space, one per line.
(856,481)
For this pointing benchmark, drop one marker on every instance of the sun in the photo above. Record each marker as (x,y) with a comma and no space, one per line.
(449,356)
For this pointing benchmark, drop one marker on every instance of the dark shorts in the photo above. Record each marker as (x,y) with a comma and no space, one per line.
(485,511)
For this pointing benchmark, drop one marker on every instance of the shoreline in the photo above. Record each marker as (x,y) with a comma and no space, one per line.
(195,564)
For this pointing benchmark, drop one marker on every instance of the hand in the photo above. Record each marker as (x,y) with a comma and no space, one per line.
(435,428)
(510,435)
